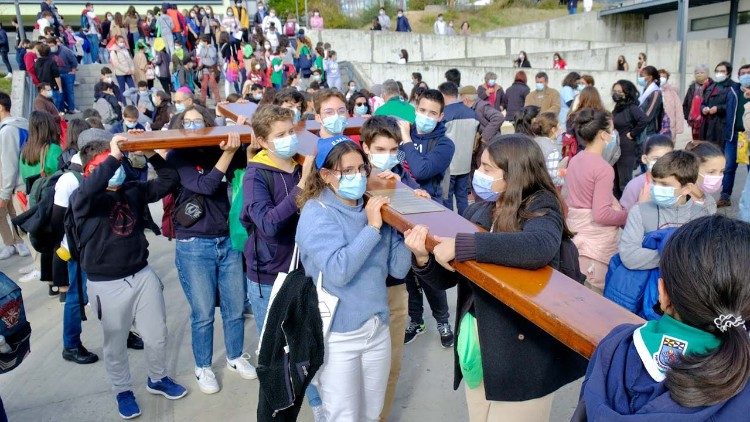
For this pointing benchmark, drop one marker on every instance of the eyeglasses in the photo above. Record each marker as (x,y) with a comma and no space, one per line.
(350,173)
(195,122)
(331,112)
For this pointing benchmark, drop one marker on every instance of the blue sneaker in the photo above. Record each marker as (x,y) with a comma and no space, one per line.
(127,405)
(167,388)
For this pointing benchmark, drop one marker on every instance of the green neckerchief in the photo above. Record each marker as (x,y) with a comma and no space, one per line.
(180,53)
(663,341)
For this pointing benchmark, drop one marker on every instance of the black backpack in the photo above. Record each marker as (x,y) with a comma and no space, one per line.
(14,328)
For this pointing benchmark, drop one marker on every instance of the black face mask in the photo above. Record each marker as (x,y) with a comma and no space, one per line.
(618,98)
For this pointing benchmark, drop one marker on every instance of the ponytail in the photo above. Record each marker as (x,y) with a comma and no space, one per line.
(705,380)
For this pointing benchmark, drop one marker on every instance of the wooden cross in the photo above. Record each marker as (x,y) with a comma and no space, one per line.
(565,309)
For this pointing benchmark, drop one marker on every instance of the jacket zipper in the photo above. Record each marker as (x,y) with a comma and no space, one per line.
(288,373)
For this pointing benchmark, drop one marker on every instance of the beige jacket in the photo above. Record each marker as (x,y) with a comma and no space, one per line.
(547,100)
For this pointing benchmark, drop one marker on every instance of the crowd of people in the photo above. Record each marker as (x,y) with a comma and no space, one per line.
(553,177)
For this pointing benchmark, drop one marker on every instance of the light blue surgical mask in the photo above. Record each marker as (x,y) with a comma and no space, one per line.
(335,124)
(425,124)
(581,87)
(130,125)
(194,125)
(286,147)
(539,86)
(482,185)
(641,81)
(117,179)
(297,116)
(384,161)
(663,196)
(179,107)
(745,80)
(360,110)
(491,82)
(352,189)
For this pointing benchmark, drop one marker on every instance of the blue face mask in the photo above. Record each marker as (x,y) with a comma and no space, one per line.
(334,124)
(297,116)
(194,125)
(745,80)
(663,196)
(581,87)
(130,125)
(482,185)
(352,189)
(641,81)
(179,107)
(384,161)
(539,86)
(117,179)
(360,110)
(425,124)
(286,147)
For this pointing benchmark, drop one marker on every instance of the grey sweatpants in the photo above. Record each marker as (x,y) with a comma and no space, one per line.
(131,301)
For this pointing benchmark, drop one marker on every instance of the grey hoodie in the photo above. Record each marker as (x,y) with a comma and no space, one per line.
(10,153)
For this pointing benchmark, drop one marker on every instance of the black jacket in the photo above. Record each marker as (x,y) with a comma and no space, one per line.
(293,322)
(713,124)
(520,361)
(47,71)
(118,247)
(628,119)
(514,99)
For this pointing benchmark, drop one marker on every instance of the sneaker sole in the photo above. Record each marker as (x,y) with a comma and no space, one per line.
(131,416)
(161,393)
(209,391)
(233,369)
(446,347)
(419,333)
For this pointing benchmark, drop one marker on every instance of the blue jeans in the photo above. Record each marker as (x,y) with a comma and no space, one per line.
(57,98)
(730,153)
(459,188)
(72,311)
(207,266)
(124,80)
(94,49)
(258,295)
(68,90)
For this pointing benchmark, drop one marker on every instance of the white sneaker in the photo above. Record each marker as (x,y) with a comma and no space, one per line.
(22,249)
(242,366)
(206,380)
(6,252)
(8,76)
(27,269)
(32,276)
(319,413)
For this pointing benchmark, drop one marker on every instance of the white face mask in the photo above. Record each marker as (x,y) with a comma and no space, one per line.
(720,76)
(662,81)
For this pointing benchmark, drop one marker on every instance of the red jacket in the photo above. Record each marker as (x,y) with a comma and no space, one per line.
(28,59)
(177,28)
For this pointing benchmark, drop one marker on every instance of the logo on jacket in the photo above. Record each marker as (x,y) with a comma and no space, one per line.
(121,219)
(670,351)
(11,313)
(193,210)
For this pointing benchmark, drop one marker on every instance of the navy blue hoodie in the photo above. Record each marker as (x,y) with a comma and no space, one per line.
(428,157)
(617,388)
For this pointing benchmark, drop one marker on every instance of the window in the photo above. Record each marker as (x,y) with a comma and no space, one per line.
(719,21)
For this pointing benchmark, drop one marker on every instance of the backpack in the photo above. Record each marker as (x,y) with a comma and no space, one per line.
(238,234)
(175,80)
(14,327)
(23,136)
(290,29)
(84,22)
(86,46)
(36,221)
(304,64)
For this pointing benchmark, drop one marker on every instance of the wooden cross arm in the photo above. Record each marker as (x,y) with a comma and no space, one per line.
(573,314)
(182,138)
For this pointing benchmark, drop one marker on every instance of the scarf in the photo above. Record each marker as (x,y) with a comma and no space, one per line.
(648,91)
(661,342)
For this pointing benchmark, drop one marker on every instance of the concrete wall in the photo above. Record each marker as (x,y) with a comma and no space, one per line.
(663,55)
(373,73)
(663,27)
(583,26)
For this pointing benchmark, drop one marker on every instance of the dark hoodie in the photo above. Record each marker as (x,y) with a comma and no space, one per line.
(428,157)
(618,388)
(271,214)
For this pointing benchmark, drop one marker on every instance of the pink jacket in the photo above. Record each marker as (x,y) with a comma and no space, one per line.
(673,108)
(593,240)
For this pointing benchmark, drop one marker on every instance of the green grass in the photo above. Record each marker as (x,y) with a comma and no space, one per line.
(5,85)
(501,13)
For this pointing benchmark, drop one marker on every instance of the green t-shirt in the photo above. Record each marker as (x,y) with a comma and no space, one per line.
(396,107)
(277,77)
(50,163)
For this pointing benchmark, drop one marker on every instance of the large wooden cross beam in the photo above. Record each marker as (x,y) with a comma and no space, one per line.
(559,305)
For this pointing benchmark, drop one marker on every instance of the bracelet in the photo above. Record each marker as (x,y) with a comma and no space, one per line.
(374,228)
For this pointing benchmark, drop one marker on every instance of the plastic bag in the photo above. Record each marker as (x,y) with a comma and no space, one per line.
(743,152)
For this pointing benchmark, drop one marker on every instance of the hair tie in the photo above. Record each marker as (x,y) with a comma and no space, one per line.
(724,322)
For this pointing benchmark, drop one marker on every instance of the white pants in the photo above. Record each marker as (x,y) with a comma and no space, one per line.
(354,375)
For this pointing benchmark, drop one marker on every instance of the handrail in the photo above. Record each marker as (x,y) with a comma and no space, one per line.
(573,314)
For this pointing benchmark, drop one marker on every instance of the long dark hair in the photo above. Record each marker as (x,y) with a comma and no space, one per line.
(588,122)
(706,274)
(75,127)
(353,100)
(523,118)
(526,176)
(315,183)
(630,91)
(43,131)
(571,80)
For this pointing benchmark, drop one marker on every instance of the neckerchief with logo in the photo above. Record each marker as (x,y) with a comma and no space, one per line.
(661,342)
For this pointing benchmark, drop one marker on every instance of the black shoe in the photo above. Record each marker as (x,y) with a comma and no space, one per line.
(446,335)
(134,341)
(412,331)
(79,355)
